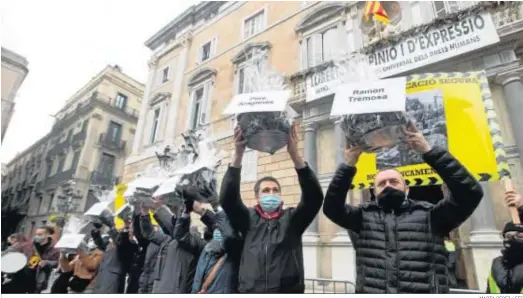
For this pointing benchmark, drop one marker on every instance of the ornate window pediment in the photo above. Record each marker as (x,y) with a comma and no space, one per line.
(159,97)
(247,51)
(201,75)
(320,14)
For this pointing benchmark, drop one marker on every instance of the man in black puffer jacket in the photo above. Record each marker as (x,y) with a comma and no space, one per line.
(400,248)
(272,257)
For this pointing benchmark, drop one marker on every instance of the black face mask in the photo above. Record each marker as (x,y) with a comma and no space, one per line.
(512,250)
(391,198)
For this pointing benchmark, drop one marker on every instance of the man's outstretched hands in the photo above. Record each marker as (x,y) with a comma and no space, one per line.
(415,139)
(352,154)
(513,199)
(239,147)
(292,147)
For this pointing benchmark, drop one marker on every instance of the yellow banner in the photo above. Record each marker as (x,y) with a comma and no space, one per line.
(119,201)
(454,111)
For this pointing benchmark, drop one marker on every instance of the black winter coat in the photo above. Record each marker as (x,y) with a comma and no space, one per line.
(115,264)
(402,251)
(156,250)
(508,277)
(230,248)
(138,258)
(272,258)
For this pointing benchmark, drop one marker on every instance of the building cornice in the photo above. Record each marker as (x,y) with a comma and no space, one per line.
(15,59)
(190,16)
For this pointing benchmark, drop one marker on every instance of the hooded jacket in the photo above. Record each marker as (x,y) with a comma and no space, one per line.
(272,256)
(115,262)
(156,250)
(506,274)
(402,251)
(229,248)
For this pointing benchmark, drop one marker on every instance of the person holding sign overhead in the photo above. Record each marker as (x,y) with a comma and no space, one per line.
(506,275)
(272,257)
(400,244)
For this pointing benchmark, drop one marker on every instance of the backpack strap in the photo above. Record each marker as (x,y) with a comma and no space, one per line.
(212,275)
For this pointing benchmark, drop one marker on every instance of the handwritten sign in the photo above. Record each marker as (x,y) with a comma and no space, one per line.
(272,101)
(370,97)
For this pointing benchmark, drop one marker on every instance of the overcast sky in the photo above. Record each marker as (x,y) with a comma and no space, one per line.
(67,43)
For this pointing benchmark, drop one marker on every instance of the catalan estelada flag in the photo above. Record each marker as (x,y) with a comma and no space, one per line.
(374,8)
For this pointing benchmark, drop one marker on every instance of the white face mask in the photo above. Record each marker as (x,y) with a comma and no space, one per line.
(91,245)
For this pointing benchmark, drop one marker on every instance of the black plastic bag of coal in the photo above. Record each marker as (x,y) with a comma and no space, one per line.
(204,180)
(265,131)
(374,131)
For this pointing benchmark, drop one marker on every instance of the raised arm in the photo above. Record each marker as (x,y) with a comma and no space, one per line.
(185,238)
(230,197)
(465,191)
(311,200)
(137,229)
(345,216)
(149,233)
(97,238)
(166,219)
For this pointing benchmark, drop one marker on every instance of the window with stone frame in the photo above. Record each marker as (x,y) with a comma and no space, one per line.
(443,8)
(254,24)
(200,86)
(155,124)
(324,34)
(121,101)
(207,50)
(242,79)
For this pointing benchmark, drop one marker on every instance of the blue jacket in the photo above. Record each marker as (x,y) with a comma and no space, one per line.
(225,280)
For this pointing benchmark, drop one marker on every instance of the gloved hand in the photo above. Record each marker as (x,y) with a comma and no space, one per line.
(107,219)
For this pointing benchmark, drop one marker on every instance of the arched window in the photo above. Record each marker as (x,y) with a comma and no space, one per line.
(200,86)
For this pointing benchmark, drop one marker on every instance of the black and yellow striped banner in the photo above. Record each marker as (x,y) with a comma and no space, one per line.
(473,133)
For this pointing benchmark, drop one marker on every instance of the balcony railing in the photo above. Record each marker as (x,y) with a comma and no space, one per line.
(508,17)
(111,143)
(103,179)
(96,98)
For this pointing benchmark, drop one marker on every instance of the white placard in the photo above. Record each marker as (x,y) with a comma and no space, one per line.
(270,101)
(322,90)
(167,186)
(370,97)
(450,40)
(142,182)
(436,45)
(70,241)
(97,209)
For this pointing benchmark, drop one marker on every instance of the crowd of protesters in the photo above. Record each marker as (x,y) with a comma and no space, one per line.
(399,242)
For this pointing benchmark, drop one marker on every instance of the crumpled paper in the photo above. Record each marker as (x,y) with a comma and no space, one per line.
(264,131)
(370,131)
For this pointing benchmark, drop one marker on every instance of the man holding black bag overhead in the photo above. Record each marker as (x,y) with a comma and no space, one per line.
(272,257)
(399,248)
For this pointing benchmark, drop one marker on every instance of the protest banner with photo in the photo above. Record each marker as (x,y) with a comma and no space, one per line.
(454,111)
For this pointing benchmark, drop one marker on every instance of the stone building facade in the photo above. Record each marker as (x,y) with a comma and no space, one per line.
(209,44)
(88,144)
(14,71)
